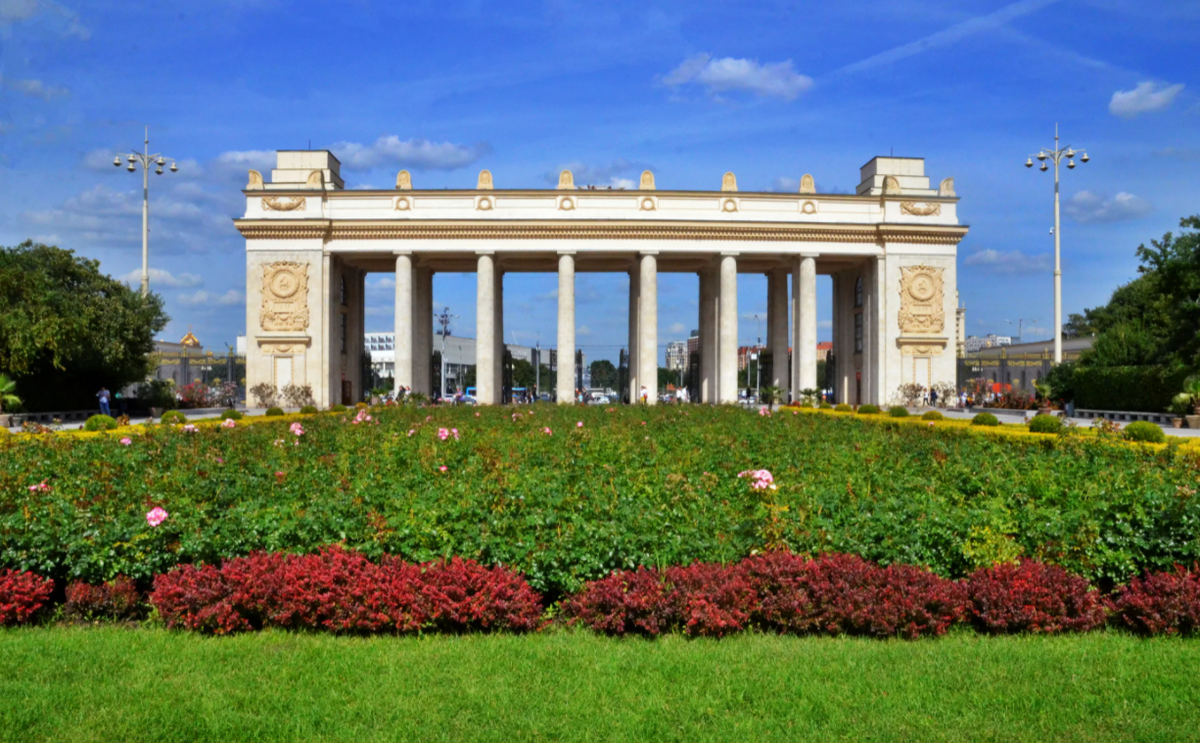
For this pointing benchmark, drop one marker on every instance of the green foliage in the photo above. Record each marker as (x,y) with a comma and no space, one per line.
(932,415)
(274,412)
(868,410)
(825,406)
(604,374)
(842,407)
(8,392)
(100,423)
(232,415)
(337,408)
(576,504)
(1059,382)
(1045,424)
(66,328)
(985,419)
(1136,388)
(158,393)
(1144,431)
(173,417)
(309,409)
(769,395)
(897,411)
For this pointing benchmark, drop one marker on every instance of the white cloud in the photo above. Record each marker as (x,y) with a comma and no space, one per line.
(33,88)
(15,11)
(1146,97)
(775,79)
(783,184)
(583,330)
(825,324)
(1012,263)
(248,159)
(383,282)
(201,297)
(160,277)
(1087,206)
(676,328)
(600,175)
(410,153)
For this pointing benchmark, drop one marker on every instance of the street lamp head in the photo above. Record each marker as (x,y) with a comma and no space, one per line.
(160,161)
(1070,153)
(1084,159)
(131,158)
(1041,156)
(117,161)
(174,169)
(158,171)
(1044,167)
(1070,164)
(1029,162)
(131,168)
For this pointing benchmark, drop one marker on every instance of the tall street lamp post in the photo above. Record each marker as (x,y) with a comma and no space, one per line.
(444,320)
(1056,155)
(146,159)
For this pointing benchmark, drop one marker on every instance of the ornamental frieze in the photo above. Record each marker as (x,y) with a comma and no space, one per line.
(284,296)
(282,204)
(922,300)
(920,210)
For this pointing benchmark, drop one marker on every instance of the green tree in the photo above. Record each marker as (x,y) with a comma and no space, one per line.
(523,373)
(66,329)
(8,393)
(604,374)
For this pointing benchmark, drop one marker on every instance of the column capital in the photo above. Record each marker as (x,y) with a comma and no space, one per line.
(402,252)
(566,252)
(810,255)
(646,252)
(731,254)
(485,252)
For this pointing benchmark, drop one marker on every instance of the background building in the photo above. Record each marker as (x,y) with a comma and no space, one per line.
(677,355)
(975,344)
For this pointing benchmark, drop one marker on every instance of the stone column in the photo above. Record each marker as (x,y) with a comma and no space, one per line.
(565,381)
(807,299)
(777,300)
(634,339)
(403,344)
(708,336)
(485,329)
(880,386)
(727,371)
(423,331)
(648,327)
(498,368)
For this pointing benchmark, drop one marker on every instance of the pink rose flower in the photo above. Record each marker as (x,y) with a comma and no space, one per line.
(547,431)
(296,428)
(156,516)
(126,441)
(229,423)
(443,468)
(579,424)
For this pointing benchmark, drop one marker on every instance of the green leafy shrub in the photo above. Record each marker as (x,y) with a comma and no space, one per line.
(868,410)
(308,409)
(1144,431)
(232,415)
(172,417)
(897,411)
(1135,388)
(932,415)
(274,412)
(100,423)
(826,406)
(985,419)
(337,409)
(842,407)
(1044,423)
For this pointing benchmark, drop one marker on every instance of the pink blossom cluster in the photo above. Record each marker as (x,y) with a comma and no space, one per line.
(296,428)
(764,411)
(362,417)
(760,479)
(547,431)
(189,428)
(126,441)
(41,487)
(156,516)
(229,423)
(445,433)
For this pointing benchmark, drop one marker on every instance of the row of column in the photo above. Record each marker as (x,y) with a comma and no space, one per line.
(718,328)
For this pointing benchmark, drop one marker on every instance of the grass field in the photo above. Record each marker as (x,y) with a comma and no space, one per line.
(115,684)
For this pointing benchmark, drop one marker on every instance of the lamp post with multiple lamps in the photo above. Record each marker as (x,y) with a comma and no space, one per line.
(146,160)
(1056,156)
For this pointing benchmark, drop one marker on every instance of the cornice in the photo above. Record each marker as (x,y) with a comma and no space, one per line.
(599,192)
(267,229)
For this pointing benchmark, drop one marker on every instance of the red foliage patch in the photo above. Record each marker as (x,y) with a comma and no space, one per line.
(627,601)
(1160,603)
(22,596)
(116,599)
(1033,597)
(711,600)
(341,591)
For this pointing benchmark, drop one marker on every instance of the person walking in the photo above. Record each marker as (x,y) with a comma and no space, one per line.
(103,396)
(933,398)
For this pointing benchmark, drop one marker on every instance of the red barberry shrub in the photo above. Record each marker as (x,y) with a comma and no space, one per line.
(1160,603)
(197,598)
(468,596)
(844,594)
(1032,597)
(22,596)
(117,599)
(626,601)
(711,600)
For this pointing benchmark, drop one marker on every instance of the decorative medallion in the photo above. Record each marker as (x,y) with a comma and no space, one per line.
(483,204)
(256,181)
(316,179)
(647,204)
(566,181)
(568,203)
(920,210)
(283,204)
(729,205)
(485,181)
(647,182)
(729,182)
(947,187)
(921,300)
(284,296)
(403,181)
(807,184)
(808,207)
(403,204)
(891,184)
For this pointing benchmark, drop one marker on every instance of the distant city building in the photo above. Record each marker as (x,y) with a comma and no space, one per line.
(824,349)
(693,342)
(677,355)
(460,354)
(975,344)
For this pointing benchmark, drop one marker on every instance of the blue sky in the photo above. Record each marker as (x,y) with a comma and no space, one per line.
(769,90)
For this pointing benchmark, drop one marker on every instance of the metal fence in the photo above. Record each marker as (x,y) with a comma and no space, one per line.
(204,366)
(1020,370)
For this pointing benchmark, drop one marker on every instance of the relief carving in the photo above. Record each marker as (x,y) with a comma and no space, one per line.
(485,181)
(807,184)
(729,182)
(566,180)
(316,179)
(947,188)
(647,182)
(891,184)
(284,296)
(403,181)
(256,181)
(922,300)
(922,210)
(283,204)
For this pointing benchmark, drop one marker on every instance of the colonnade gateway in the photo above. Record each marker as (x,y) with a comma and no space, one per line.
(890,249)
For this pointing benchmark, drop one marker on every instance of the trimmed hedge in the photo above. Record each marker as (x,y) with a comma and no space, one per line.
(897,412)
(985,419)
(868,410)
(843,408)
(1043,423)
(1144,431)
(172,417)
(308,410)
(274,412)
(337,409)
(100,423)
(1032,597)
(23,596)
(232,415)
(932,415)
(1146,389)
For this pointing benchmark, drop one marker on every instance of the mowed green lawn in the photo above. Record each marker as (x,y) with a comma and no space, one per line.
(115,684)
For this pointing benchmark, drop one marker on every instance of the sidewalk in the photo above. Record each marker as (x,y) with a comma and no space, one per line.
(1019,416)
